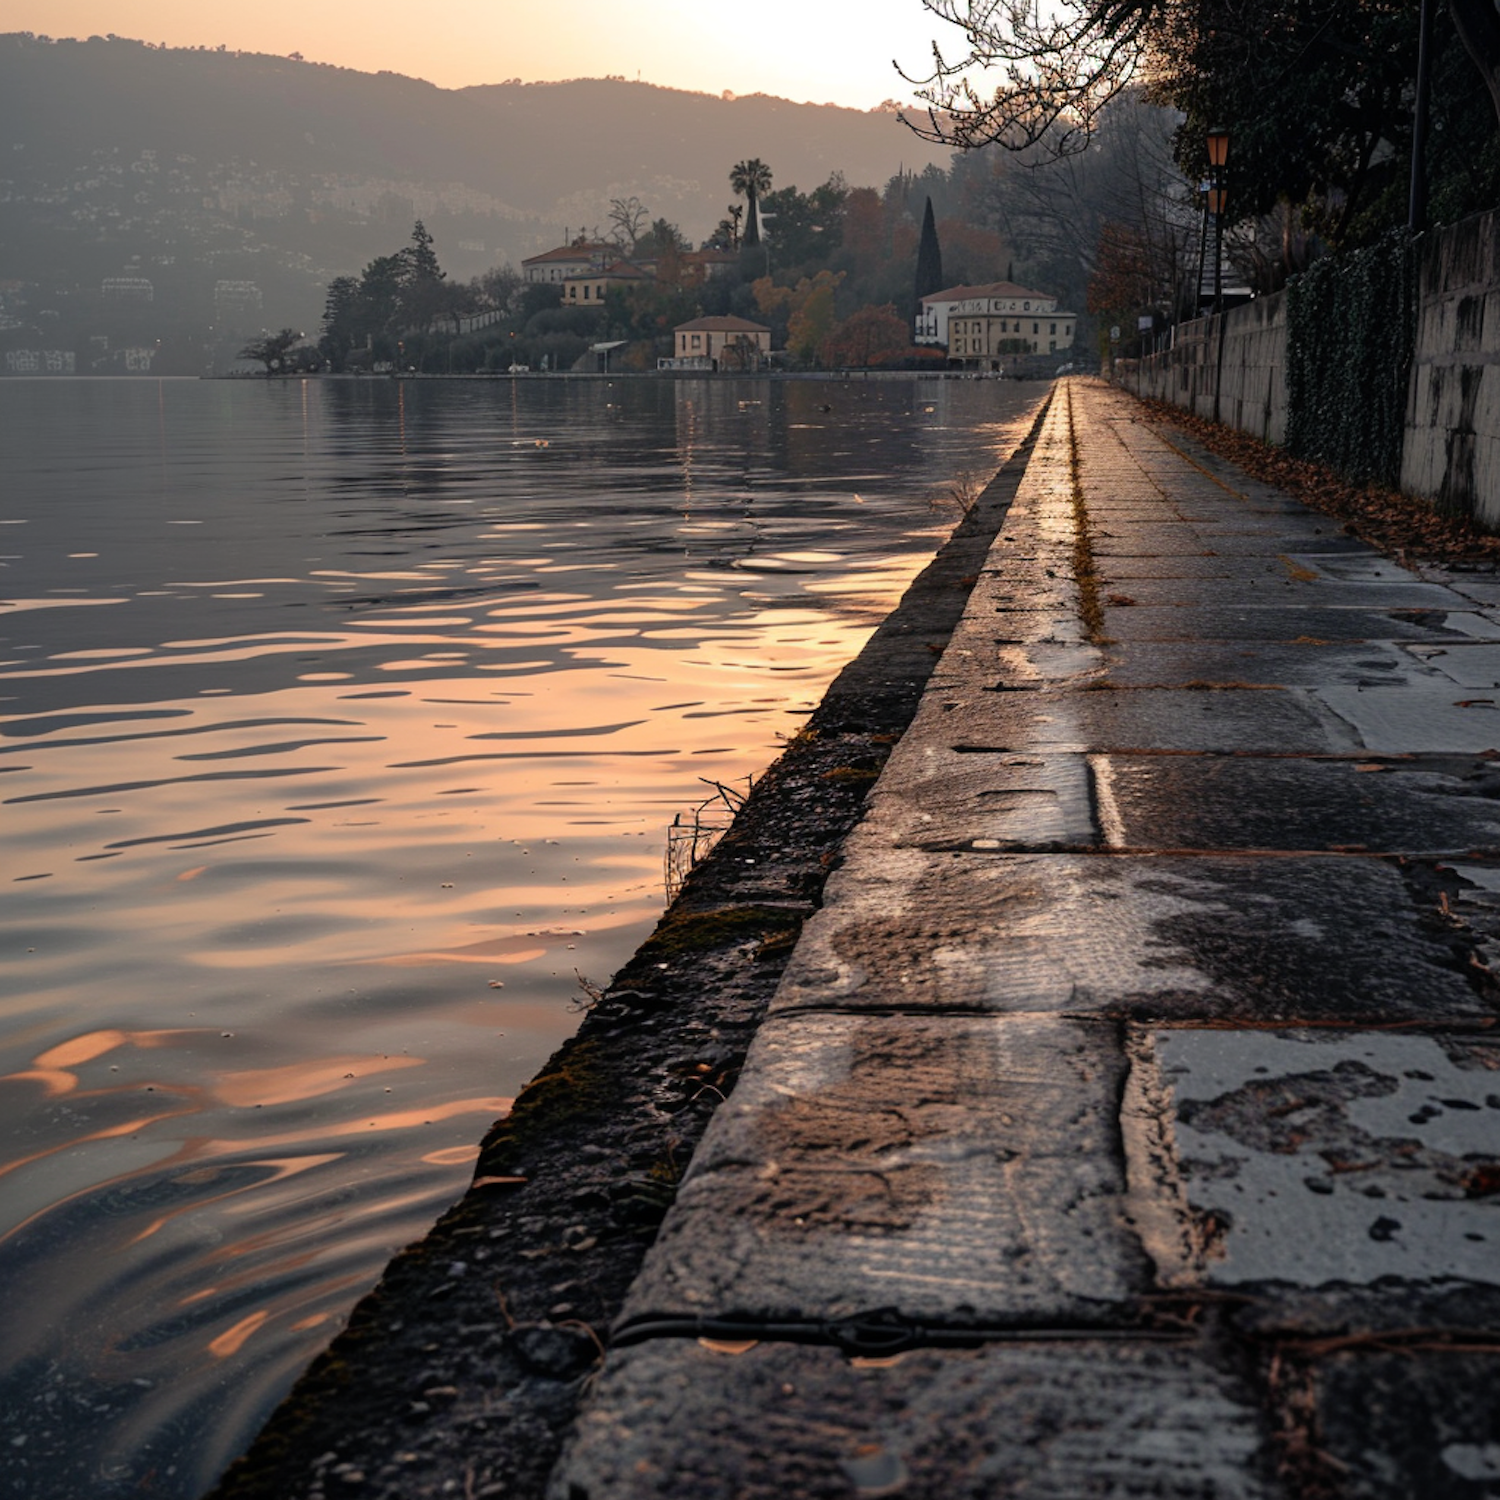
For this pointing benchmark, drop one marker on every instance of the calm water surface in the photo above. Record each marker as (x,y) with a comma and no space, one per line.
(340,727)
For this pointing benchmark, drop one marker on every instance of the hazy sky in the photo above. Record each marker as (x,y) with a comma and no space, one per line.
(825,51)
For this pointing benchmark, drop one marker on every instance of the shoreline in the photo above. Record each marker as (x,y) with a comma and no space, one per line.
(838,376)
(460,1371)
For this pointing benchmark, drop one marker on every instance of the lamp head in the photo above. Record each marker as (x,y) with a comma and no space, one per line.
(1218,146)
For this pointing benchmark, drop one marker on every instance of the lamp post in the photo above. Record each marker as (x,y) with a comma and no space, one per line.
(1218,155)
(1202,253)
(1416,215)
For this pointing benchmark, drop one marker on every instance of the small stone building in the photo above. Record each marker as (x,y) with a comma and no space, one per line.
(719,343)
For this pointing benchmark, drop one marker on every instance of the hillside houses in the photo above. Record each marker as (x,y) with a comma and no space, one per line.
(583,263)
(588,288)
(576,258)
(984,327)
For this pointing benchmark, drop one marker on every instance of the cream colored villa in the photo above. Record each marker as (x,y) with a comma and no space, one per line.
(588,288)
(575,259)
(718,343)
(981,325)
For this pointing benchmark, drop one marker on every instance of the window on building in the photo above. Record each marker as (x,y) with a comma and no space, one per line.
(1053,328)
(1036,327)
(697,340)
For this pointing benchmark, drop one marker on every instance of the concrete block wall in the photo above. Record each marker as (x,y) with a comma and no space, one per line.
(1451,443)
(1451,440)
(1254,391)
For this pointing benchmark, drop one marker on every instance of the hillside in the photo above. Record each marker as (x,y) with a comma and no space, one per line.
(189,167)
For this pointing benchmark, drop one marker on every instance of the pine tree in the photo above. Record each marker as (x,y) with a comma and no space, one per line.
(421,258)
(929,258)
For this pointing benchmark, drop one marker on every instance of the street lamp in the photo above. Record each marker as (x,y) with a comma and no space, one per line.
(1218,154)
(1416,215)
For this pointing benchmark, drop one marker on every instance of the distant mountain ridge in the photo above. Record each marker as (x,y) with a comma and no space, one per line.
(249,159)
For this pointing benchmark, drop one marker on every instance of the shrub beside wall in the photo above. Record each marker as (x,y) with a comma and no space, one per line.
(1351,322)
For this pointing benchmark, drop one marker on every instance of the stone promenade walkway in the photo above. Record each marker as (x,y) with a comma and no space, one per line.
(1128,1122)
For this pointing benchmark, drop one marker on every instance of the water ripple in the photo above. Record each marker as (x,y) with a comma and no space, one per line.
(254,1019)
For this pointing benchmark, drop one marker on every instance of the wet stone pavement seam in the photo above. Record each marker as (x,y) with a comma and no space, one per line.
(1127,1118)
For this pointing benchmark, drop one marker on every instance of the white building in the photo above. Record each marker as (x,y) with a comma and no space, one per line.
(576,259)
(981,324)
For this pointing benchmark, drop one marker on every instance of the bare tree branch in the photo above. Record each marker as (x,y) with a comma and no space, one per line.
(1030,72)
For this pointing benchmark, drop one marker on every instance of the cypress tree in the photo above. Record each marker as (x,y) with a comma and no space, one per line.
(929,259)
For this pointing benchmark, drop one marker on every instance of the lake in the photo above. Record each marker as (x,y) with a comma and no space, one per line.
(341,725)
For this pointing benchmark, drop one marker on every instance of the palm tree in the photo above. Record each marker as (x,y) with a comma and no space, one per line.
(750,179)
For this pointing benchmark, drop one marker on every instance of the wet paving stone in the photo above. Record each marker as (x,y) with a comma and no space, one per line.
(1265,663)
(1222,720)
(981,651)
(1312,1158)
(1417,717)
(1201,566)
(1418,806)
(1248,939)
(1393,1424)
(937,798)
(942,799)
(961,1170)
(1268,585)
(1474,665)
(1017,622)
(1308,624)
(1484,591)
(1364,566)
(1174,539)
(1044,1421)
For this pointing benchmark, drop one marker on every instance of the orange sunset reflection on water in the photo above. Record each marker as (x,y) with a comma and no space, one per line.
(342,725)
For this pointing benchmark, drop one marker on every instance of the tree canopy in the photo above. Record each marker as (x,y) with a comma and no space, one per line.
(404,292)
(273,350)
(751,180)
(929,257)
(1317,95)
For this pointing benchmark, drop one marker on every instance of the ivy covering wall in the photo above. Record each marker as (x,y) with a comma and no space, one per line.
(1351,323)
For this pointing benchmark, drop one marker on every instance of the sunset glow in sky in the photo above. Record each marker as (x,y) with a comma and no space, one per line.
(822,51)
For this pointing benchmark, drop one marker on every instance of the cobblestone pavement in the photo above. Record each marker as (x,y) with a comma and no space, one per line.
(1128,1119)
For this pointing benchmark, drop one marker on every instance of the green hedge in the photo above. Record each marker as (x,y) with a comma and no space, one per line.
(1351,322)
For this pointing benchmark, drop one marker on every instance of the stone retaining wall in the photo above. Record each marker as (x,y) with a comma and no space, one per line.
(1451,443)
(1254,388)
